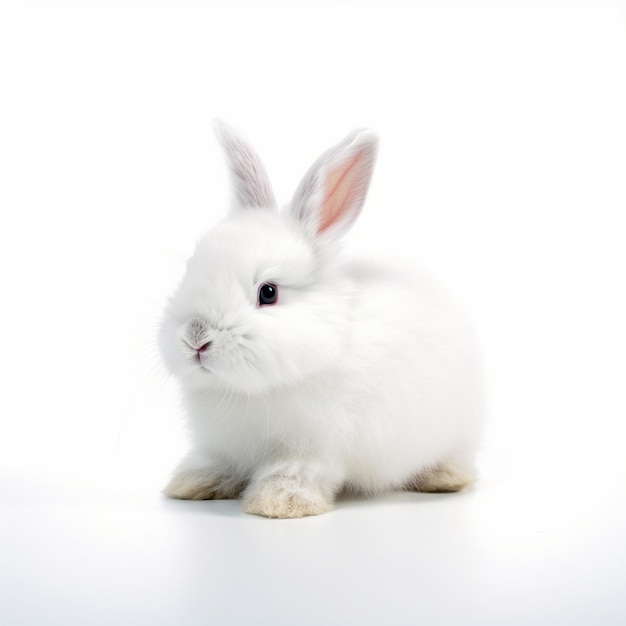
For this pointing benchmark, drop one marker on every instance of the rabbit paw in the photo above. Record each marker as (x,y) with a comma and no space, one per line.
(198,484)
(273,499)
(445,477)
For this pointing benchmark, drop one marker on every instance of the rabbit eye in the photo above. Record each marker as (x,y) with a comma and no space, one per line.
(268,294)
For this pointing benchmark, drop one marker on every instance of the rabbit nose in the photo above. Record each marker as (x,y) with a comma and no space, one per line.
(204,347)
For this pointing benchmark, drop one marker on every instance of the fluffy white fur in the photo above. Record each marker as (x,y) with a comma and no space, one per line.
(362,376)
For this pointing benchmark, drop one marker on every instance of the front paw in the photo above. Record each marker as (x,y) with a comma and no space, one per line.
(201,484)
(445,477)
(283,500)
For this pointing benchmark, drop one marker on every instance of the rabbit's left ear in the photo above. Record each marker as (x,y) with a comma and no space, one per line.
(250,181)
(332,193)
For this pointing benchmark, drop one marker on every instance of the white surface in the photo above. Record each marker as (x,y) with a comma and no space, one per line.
(502,169)
(504,554)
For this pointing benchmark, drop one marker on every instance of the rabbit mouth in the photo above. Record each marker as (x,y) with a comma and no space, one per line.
(202,351)
(202,363)
(203,357)
(198,351)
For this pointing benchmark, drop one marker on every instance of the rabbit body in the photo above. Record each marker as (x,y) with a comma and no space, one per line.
(362,375)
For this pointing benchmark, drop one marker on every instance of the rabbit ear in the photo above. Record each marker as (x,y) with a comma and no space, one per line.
(250,181)
(331,195)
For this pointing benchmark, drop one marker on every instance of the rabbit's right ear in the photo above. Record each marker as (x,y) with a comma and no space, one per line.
(332,193)
(250,181)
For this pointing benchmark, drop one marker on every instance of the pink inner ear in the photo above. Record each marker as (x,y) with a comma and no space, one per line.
(342,183)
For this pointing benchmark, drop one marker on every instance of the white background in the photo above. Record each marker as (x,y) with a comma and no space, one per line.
(502,168)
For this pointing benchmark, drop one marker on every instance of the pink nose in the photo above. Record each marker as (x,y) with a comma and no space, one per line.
(204,347)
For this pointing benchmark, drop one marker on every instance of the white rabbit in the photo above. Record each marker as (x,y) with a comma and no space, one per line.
(305,374)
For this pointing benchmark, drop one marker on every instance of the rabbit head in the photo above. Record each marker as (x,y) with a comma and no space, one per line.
(264,301)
